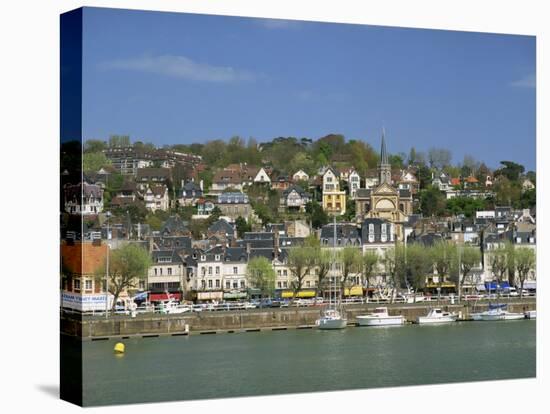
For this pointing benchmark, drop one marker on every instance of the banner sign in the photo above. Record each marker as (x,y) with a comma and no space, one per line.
(85,303)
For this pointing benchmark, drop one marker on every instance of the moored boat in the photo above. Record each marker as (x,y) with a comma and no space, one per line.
(435,316)
(497,312)
(380,317)
(331,319)
(532,314)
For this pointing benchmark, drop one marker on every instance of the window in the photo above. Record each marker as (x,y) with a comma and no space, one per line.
(217,257)
(279,285)
(210,283)
(308,283)
(217,283)
(210,270)
(217,270)
(77,284)
(242,284)
(279,272)
(169,271)
(203,271)
(88,284)
(285,284)
(160,271)
(155,271)
(227,284)
(285,272)
(235,285)
(235,270)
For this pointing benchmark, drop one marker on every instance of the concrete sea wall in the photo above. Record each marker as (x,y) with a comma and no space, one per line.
(253,319)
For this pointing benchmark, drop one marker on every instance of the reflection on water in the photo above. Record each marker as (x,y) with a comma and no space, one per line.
(231,365)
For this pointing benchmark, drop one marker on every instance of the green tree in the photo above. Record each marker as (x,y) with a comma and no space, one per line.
(317,217)
(242,226)
(525,262)
(300,261)
(349,259)
(322,259)
(127,266)
(432,202)
(510,170)
(261,275)
(417,264)
(468,258)
(442,255)
(94,161)
(369,264)
(94,145)
(499,264)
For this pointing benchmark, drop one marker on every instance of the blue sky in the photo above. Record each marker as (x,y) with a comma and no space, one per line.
(173,78)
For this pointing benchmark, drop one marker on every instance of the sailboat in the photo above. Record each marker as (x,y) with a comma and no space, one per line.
(332,317)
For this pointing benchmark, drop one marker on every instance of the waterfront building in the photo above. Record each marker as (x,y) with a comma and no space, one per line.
(167,274)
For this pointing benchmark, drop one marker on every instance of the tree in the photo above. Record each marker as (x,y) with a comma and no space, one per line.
(498,260)
(242,226)
(510,170)
(468,258)
(322,259)
(261,275)
(300,261)
(525,262)
(119,141)
(94,161)
(369,263)
(394,264)
(432,202)
(439,157)
(417,264)
(350,260)
(94,145)
(442,255)
(317,217)
(127,266)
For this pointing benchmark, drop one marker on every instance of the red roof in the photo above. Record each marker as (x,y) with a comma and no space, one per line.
(455,181)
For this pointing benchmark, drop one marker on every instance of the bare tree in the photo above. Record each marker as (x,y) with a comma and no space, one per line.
(525,262)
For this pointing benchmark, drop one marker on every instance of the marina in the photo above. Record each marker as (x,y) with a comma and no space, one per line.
(305,360)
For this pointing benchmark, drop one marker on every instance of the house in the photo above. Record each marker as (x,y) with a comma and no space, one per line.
(83,198)
(334,199)
(222,230)
(281,183)
(128,160)
(294,199)
(204,208)
(408,181)
(156,198)
(81,289)
(354,182)
(371,178)
(235,177)
(234,268)
(262,177)
(149,176)
(347,234)
(166,275)
(208,284)
(190,193)
(175,226)
(297,228)
(442,181)
(300,175)
(527,185)
(234,205)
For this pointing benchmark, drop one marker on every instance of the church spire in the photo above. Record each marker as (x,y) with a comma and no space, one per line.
(384,168)
(383,153)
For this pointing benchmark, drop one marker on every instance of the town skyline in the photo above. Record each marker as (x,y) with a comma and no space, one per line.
(473,93)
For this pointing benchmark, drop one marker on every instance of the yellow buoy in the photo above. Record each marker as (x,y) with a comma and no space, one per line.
(119,348)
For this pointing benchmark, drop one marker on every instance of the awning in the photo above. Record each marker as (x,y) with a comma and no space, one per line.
(443,285)
(235,295)
(300,294)
(494,286)
(209,295)
(157,297)
(353,291)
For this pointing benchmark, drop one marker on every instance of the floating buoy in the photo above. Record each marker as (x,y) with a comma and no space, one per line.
(119,348)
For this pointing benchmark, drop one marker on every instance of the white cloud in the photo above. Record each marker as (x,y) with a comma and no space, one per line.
(180,67)
(528,81)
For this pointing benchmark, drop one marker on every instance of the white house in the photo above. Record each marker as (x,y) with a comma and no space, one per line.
(262,177)
(300,175)
(83,198)
(156,198)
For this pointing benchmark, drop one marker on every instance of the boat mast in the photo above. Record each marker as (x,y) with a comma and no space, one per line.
(334,259)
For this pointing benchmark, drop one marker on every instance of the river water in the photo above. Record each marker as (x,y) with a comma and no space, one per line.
(260,363)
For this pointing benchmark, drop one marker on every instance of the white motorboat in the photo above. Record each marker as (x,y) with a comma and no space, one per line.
(331,319)
(437,315)
(532,314)
(380,317)
(497,313)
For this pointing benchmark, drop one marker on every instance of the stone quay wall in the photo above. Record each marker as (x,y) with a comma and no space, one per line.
(252,319)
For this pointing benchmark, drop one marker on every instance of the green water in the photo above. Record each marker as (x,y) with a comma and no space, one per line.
(259,363)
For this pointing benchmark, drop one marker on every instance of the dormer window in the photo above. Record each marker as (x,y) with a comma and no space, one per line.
(203,257)
(217,257)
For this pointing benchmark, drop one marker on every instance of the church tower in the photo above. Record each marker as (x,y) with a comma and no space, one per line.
(384,168)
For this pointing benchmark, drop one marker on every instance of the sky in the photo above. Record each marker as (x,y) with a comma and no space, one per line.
(171,78)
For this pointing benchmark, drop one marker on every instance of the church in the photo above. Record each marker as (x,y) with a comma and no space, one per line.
(384,201)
